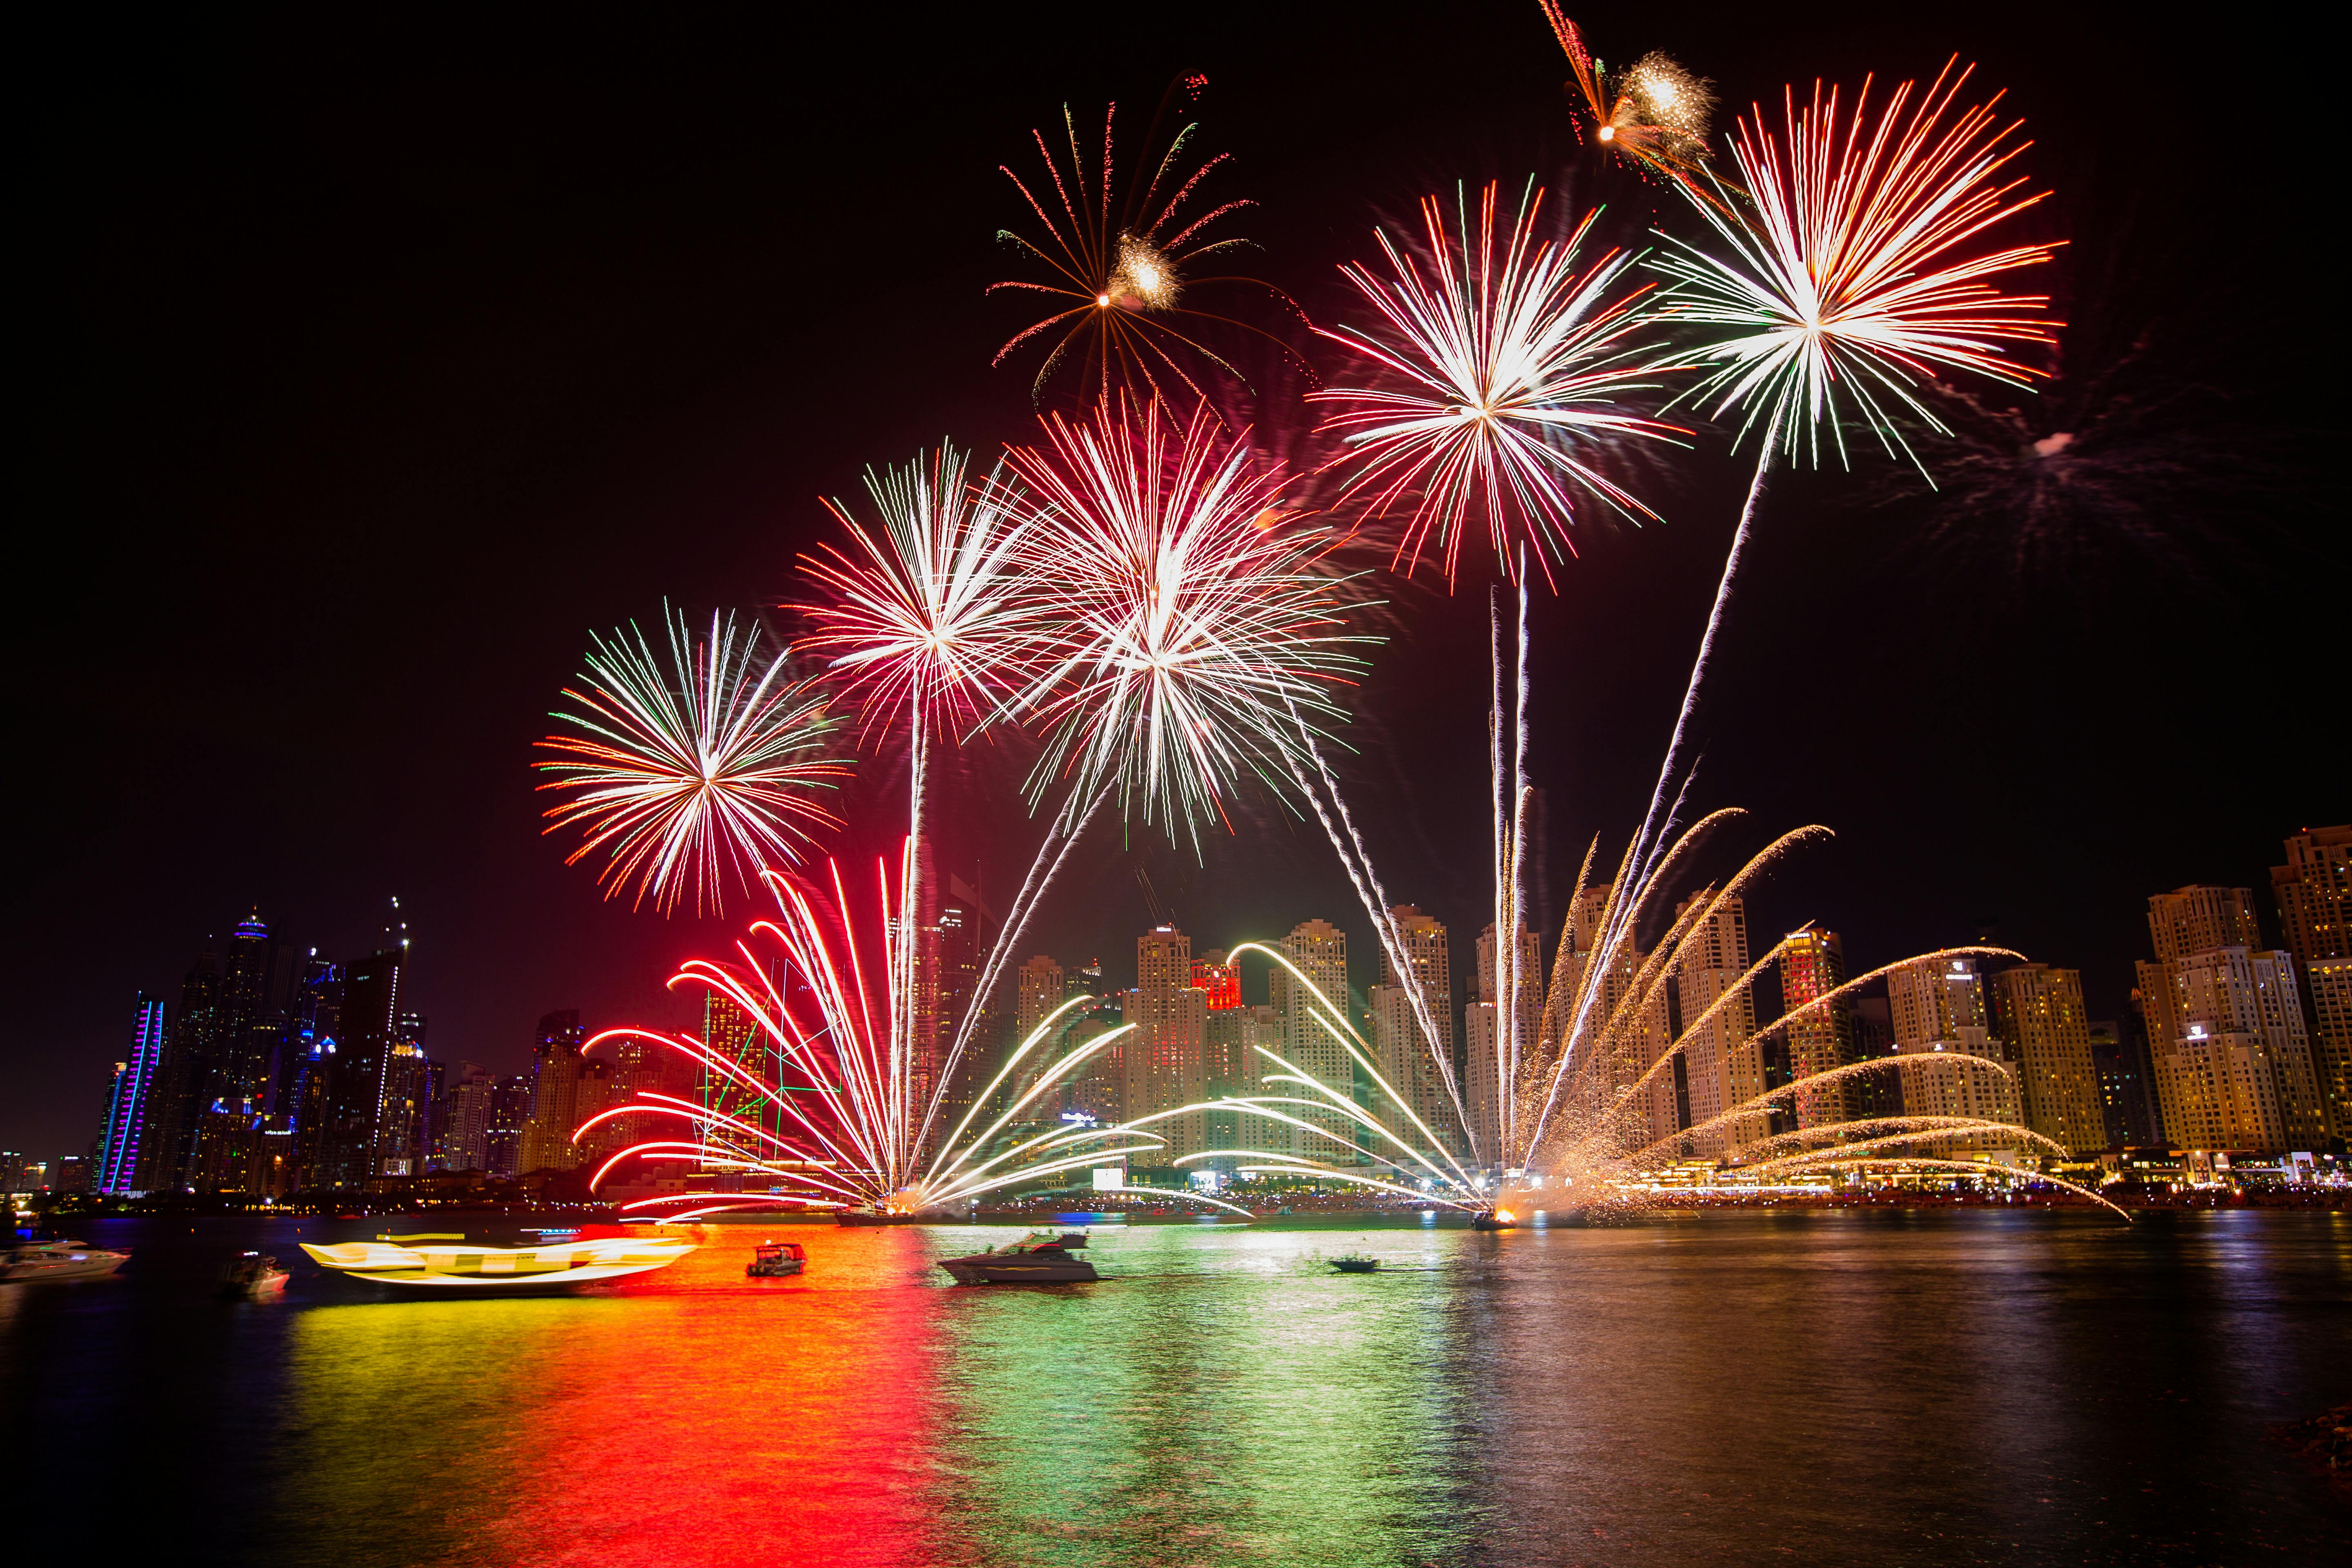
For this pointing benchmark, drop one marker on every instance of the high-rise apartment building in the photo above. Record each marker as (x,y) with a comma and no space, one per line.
(510,1112)
(1491,1047)
(1937,1008)
(353,1072)
(2038,1012)
(1408,1056)
(1038,989)
(1218,977)
(1720,1068)
(2231,1053)
(464,1141)
(2233,1059)
(1319,950)
(2126,1087)
(2313,891)
(967,931)
(127,1105)
(1167,1053)
(1820,1039)
(563,1081)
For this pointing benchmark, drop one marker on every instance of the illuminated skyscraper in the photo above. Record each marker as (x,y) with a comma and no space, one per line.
(466,1119)
(2199,919)
(2233,1059)
(353,1071)
(967,931)
(1720,1067)
(1166,1053)
(2038,1011)
(1937,1009)
(2313,891)
(510,1110)
(1218,978)
(1408,1057)
(134,1080)
(1320,950)
(1812,965)
(1037,990)
(557,1072)
(404,1114)
(1484,1068)
(2126,1091)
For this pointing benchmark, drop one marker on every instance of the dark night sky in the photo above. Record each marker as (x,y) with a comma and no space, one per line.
(375,362)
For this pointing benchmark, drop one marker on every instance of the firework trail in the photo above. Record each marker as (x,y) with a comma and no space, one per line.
(1501,368)
(1655,116)
(1194,621)
(1118,264)
(1850,264)
(927,620)
(690,773)
(849,1115)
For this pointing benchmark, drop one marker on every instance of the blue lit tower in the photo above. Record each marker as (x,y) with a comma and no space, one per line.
(126,1109)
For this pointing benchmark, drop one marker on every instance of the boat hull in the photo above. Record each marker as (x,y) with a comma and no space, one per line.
(984,1269)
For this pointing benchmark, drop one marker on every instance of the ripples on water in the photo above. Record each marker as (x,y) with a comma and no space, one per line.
(1835,1388)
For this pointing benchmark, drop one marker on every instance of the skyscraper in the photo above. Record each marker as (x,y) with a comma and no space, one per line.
(2038,1012)
(509,1111)
(353,1071)
(1166,1053)
(557,1070)
(966,932)
(1037,990)
(2232,1057)
(404,1108)
(126,1107)
(2313,891)
(1488,1043)
(2127,1092)
(466,1120)
(1937,1009)
(1812,965)
(1408,1057)
(1721,1068)
(1319,950)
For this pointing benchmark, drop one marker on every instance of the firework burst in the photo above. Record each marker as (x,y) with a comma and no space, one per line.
(1119,266)
(1655,116)
(690,774)
(923,617)
(1197,636)
(833,1100)
(1851,267)
(1503,363)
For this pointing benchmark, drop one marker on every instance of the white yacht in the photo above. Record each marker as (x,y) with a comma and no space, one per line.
(59,1260)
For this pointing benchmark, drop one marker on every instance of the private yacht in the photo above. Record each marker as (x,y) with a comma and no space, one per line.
(256,1275)
(776,1260)
(59,1260)
(1042,1257)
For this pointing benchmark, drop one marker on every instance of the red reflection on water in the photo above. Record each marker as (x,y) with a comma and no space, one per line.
(712,1419)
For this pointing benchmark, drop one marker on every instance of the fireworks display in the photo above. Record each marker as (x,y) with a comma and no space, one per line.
(691,774)
(1198,634)
(1146,595)
(1655,115)
(1119,260)
(1502,365)
(1850,270)
(836,1095)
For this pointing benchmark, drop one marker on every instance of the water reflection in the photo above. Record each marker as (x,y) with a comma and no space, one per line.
(1732,1388)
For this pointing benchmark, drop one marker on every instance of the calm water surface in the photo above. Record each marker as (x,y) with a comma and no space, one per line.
(1931,1389)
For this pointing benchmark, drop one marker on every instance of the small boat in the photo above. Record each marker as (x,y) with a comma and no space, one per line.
(253,1275)
(1356,1263)
(1042,1257)
(459,1268)
(59,1260)
(873,1216)
(1494,1219)
(776,1259)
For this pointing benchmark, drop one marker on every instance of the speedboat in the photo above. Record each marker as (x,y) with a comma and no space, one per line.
(776,1260)
(59,1260)
(1042,1257)
(256,1275)
(467,1268)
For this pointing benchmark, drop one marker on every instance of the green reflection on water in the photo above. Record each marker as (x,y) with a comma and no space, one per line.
(1227,1398)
